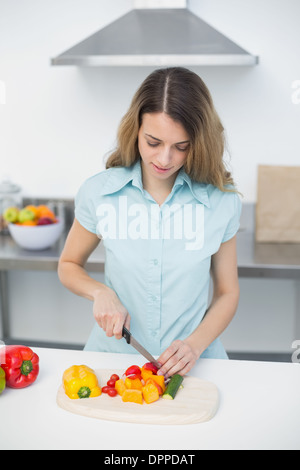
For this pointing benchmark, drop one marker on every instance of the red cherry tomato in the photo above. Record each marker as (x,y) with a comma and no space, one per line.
(132,370)
(105,389)
(112,392)
(114,377)
(111,383)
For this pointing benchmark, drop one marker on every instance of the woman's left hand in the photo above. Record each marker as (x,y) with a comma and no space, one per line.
(178,358)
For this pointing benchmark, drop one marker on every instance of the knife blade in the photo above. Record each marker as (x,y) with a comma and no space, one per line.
(135,344)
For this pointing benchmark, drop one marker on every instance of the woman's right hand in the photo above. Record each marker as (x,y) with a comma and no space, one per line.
(110,313)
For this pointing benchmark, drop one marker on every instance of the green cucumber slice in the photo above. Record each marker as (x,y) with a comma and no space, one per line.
(172,387)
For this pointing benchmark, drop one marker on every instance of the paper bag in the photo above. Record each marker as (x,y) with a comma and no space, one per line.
(278,204)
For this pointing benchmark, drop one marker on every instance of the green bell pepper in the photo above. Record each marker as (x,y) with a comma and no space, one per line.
(2,380)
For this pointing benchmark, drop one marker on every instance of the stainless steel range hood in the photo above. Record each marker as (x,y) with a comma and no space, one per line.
(156,37)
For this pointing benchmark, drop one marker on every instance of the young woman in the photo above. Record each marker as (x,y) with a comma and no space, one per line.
(167,212)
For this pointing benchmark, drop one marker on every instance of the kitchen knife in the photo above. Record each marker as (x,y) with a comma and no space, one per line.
(133,342)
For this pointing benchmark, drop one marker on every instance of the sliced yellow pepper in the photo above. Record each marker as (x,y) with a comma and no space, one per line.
(81,382)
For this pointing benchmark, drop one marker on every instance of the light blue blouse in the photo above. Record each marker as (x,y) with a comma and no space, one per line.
(157,257)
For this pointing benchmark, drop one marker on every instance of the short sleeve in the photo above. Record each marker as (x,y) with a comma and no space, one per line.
(233,225)
(85,211)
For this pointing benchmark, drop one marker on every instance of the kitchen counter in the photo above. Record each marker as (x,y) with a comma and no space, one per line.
(269,260)
(259,409)
(13,256)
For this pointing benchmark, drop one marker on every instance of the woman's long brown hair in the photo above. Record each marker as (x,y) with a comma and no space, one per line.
(182,95)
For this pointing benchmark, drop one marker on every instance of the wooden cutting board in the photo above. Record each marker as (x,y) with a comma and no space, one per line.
(196,402)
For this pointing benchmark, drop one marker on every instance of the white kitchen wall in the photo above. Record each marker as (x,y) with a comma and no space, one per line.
(258,105)
(59,122)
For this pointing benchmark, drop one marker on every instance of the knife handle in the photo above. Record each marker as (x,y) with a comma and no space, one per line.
(126,334)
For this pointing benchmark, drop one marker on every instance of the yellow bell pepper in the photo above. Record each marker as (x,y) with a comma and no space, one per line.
(160,380)
(136,384)
(146,374)
(150,393)
(120,386)
(81,382)
(132,395)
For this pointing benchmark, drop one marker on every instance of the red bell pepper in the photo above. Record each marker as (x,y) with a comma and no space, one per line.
(133,370)
(21,366)
(150,366)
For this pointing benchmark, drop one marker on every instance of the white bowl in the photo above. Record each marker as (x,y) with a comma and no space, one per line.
(36,237)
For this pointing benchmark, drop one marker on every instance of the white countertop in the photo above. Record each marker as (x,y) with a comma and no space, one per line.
(259,409)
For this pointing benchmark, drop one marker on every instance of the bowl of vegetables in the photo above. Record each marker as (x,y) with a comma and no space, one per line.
(33,227)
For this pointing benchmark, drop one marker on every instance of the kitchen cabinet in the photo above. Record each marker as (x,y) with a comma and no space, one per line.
(259,409)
